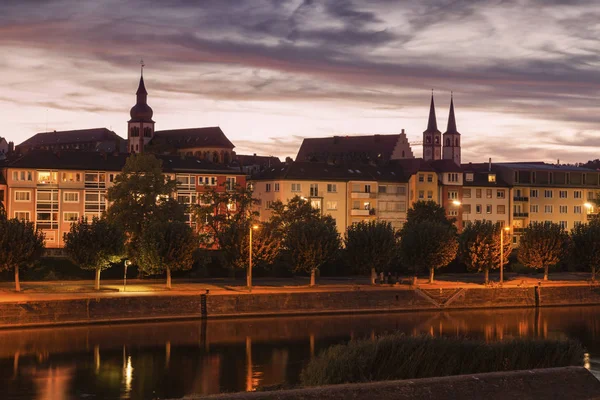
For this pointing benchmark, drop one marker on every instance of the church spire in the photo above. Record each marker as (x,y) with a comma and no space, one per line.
(451,118)
(432,122)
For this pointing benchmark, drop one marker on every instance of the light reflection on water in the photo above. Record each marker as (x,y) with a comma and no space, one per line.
(175,359)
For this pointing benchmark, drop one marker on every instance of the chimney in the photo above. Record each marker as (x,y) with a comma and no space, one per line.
(402,131)
(490,165)
(11,147)
(558,162)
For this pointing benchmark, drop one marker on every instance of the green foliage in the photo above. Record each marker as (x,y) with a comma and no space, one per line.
(428,211)
(21,245)
(141,194)
(95,245)
(312,243)
(542,245)
(296,209)
(2,211)
(227,217)
(370,245)
(585,245)
(167,246)
(398,356)
(479,246)
(428,245)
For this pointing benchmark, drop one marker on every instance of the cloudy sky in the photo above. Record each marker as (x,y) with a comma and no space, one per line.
(525,74)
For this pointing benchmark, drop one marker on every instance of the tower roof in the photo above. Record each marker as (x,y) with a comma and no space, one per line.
(451,129)
(141,112)
(141,87)
(432,122)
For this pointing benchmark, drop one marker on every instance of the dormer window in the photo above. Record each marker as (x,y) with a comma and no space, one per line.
(492,178)
(469,177)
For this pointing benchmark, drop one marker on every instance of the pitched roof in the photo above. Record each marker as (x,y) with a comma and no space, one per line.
(411,166)
(540,166)
(322,171)
(350,148)
(192,137)
(71,137)
(97,161)
(445,166)
(432,121)
(253,159)
(451,129)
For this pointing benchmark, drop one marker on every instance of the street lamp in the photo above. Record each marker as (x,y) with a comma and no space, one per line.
(505,229)
(249,276)
(456,203)
(127,264)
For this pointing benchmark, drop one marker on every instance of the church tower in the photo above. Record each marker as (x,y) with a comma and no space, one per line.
(452,137)
(432,137)
(140,128)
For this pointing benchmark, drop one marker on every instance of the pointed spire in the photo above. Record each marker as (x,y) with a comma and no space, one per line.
(451,118)
(432,122)
(141,92)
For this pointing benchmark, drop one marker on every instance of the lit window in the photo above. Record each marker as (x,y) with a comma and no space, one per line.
(277,187)
(70,216)
(492,178)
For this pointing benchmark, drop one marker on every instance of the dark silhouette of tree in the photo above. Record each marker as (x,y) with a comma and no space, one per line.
(585,245)
(428,211)
(542,245)
(95,245)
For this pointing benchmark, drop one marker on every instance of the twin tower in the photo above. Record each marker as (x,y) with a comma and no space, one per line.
(432,137)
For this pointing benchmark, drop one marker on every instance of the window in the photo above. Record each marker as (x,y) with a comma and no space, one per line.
(500,194)
(70,216)
(402,190)
(71,177)
(466,209)
(577,194)
(296,187)
(562,194)
(563,224)
(534,208)
(230,183)
(207,180)
(590,196)
(22,176)
(421,178)
(548,194)
(268,204)
(453,213)
(488,208)
(277,187)
(367,188)
(492,178)
(22,215)
(46,177)
(533,193)
(548,209)
(267,187)
(429,178)
(488,193)
(577,209)
(382,189)
(577,223)
(478,208)
(314,189)
(452,195)
(185,182)
(467,193)
(421,194)
(95,180)
(22,196)
(430,194)
(71,197)
(356,205)
(478,193)
(453,177)
(111,178)
(469,177)
(316,204)
(501,209)
(94,203)
(563,209)
(332,205)
(331,188)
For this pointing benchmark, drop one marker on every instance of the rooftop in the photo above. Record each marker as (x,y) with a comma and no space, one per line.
(71,137)
(372,147)
(192,137)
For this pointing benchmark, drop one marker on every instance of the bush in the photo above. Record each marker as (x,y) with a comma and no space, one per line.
(398,356)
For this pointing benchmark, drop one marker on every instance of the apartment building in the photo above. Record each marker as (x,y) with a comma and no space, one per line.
(349,193)
(485,196)
(53,190)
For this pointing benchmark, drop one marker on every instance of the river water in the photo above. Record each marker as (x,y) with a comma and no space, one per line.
(174,359)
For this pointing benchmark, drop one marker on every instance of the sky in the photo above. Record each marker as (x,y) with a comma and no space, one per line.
(525,75)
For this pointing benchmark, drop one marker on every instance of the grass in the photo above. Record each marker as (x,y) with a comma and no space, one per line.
(398,356)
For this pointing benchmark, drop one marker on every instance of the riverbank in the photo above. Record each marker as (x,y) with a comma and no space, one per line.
(551,383)
(30,310)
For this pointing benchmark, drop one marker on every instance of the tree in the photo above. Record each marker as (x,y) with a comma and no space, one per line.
(428,245)
(95,245)
(227,217)
(166,246)
(428,211)
(141,194)
(542,245)
(585,245)
(479,246)
(21,244)
(313,243)
(370,245)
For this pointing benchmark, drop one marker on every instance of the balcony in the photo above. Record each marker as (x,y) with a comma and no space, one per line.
(520,214)
(363,195)
(362,213)
(521,198)
(518,231)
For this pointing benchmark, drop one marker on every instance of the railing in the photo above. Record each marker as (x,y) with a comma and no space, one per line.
(521,198)
(520,214)
(363,195)
(518,231)
(362,212)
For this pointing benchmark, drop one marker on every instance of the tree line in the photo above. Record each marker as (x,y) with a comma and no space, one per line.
(148,227)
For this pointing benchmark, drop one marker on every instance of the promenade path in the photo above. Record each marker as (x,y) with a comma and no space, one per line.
(58,290)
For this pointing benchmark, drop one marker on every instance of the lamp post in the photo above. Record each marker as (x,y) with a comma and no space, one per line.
(249,276)
(127,264)
(505,229)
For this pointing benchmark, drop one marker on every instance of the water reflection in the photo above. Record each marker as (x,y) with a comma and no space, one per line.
(180,358)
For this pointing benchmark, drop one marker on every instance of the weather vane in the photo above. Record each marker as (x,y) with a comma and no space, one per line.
(142,66)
